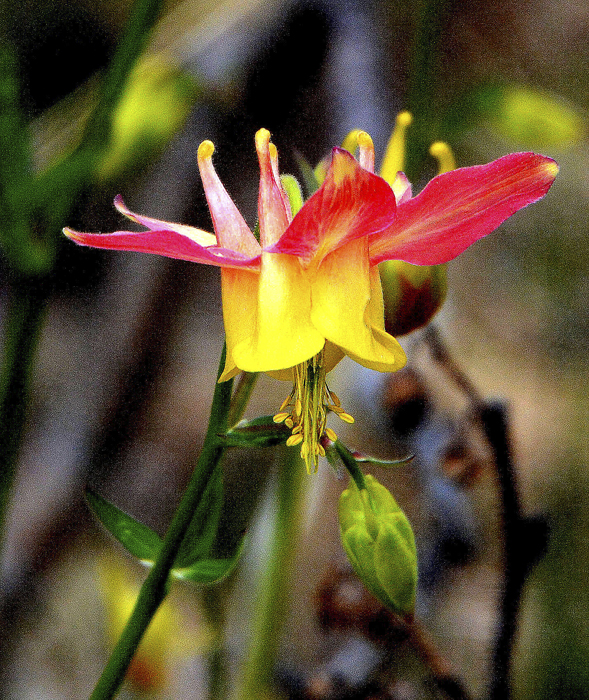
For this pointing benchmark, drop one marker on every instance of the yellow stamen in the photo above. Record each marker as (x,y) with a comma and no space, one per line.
(294,440)
(394,157)
(443,154)
(335,398)
(346,417)
(329,433)
(306,408)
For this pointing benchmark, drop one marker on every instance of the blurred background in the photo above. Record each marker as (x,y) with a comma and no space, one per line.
(129,344)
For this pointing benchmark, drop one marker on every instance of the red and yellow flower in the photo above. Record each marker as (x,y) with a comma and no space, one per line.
(309,292)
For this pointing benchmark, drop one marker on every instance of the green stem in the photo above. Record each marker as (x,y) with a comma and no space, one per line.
(142,19)
(155,587)
(350,463)
(214,599)
(275,580)
(422,97)
(241,396)
(24,317)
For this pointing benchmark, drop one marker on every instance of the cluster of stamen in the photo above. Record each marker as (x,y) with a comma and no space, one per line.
(306,408)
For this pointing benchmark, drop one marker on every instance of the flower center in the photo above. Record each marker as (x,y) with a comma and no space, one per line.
(305,410)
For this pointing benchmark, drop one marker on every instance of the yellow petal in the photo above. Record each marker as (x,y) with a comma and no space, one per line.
(332,355)
(347,308)
(282,334)
(239,290)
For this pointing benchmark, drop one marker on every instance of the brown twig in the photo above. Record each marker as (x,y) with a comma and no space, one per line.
(524,539)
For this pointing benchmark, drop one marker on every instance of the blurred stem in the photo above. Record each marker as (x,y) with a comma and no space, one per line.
(422,99)
(142,19)
(516,565)
(275,579)
(524,539)
(214,599)
(441,355)
(57,189)
(24,252)
(156,585)
(23,320)
(45,201)
(438,667)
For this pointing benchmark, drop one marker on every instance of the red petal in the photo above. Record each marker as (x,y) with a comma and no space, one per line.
(168,243)
(457,208)
(351,203)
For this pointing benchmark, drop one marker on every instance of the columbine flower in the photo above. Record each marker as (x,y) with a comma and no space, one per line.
(309,291)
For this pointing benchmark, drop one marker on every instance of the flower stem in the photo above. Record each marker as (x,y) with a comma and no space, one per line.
(351,464)
(275,579)
(155,587)
(241,395)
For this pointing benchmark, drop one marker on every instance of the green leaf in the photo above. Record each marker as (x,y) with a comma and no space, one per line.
(308,176)
(201,533)
(260,432)
(386,463)
(207,571)
(22,249)
(293,192)
(138,539)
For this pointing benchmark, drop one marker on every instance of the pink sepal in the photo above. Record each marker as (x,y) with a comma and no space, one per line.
(459,207)
(165,242)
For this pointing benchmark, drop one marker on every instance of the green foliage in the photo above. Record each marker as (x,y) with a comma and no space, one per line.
(386,463)
(200,536)
(138,539)
(154,106)
(22,252)
(310,181)
(293,192)
(207,571)
(531,118)
(260,432)
(195,560)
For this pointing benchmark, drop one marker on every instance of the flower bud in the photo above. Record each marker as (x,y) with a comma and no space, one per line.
(154,106)
(412,294)
(531,118)
(379,542)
